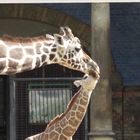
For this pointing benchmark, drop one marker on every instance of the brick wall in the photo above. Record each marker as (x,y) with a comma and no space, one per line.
(126,116)
(125,19)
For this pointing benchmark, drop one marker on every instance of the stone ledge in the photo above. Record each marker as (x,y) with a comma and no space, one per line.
(101,133)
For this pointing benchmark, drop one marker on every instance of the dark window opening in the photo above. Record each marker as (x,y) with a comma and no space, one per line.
(47,101)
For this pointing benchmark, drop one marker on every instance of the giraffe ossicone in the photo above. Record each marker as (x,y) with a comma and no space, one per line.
(19,54)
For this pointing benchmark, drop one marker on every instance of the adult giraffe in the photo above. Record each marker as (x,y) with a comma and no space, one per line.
(23,54)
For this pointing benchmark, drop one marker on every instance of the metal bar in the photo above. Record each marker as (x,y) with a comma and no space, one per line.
(37,86)
(51,104)
(36,106)
(48,109)
(46,79)
(32,106)
(55,104)
(12,110)
(61,86)
(40,104)
(43,110)
(86,126)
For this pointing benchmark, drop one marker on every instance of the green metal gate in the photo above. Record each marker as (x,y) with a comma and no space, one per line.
(37,101)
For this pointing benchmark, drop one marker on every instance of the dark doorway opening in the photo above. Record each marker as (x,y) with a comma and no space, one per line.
(3,107)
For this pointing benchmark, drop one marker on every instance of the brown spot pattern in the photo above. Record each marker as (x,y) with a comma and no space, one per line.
(63,123)
(73,121)
(53,50)
(16,53)
(11,71)
(74,107)
(38,48)
(29,51)
(12,64)
(52,56)
(37,62)
(68,131)
(2,65)
(54,136)
(68,116)
(62,137)
(2,52)
(43,58)
(72,113)
(69,62)
(79,114)
(65,56)
(81,109)
(12,67)
(83,102)
(45,50)
(58,130)
(54,46)
(27,64)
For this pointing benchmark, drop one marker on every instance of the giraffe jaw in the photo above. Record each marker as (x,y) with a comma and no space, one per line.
(93,69)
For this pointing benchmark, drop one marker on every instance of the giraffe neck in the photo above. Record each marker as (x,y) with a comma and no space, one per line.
(63,127)
(16,57)
(24,54)
(67,124)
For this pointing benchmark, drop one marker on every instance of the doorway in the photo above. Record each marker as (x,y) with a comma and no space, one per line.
(3,107)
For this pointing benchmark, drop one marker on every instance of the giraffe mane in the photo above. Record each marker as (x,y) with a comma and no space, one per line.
(59,117)
(9,38)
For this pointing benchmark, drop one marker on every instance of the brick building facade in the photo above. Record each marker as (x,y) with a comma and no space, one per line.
(125,51)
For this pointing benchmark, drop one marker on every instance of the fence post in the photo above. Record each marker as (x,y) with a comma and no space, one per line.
(12,116)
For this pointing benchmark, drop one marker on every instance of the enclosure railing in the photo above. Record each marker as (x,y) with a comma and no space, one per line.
(35,101)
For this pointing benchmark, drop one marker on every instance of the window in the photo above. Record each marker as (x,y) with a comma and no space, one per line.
(47,102)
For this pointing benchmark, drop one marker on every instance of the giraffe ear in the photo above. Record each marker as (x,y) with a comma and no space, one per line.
(49,37)
(59,39)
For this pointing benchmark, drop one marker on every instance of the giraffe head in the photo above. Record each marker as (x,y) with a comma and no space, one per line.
(71,54)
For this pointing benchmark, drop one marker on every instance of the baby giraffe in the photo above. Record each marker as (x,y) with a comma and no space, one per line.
(64,126)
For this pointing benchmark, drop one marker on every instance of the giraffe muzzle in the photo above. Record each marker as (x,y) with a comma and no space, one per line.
(94,70)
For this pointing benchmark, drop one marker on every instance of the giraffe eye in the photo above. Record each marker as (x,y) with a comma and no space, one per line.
(77,49)
(85,77)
